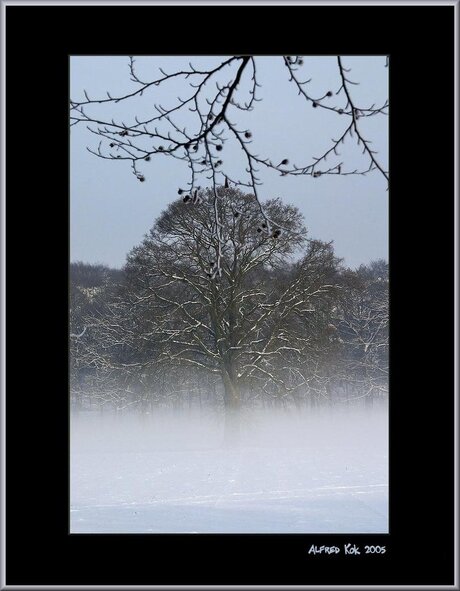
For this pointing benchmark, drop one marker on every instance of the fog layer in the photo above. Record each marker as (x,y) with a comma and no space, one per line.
(324,471)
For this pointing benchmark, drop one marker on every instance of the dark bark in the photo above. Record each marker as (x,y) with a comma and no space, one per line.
(232,408)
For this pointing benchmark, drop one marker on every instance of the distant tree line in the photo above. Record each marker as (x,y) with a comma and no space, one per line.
(280,321)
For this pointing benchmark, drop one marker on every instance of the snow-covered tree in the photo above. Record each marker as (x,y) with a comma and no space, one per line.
(364,329)
(254,319)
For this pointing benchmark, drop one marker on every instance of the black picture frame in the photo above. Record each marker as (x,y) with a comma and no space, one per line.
(420,42)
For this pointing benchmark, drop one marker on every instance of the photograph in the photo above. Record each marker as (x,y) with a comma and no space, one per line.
(229,294)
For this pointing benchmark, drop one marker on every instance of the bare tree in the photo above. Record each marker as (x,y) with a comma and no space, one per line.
(202,122)
(364,329)
(319,333)
(213,288)
(257,317)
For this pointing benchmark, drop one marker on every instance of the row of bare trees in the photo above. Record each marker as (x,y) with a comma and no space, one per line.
(280,321)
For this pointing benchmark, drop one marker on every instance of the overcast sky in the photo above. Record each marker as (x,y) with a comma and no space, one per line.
(111,210)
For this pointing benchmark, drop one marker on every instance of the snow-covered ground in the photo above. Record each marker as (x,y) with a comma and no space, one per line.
(321,473)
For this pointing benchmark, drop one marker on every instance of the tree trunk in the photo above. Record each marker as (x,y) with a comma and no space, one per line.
(369,401)
(232,407)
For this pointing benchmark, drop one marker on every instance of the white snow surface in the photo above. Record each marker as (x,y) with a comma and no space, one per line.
(323,472)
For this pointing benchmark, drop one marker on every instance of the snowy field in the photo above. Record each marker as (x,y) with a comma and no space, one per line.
(321,473)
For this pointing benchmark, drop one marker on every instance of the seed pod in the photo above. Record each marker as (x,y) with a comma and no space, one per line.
(147,158)
(315,104)
(219,147)
(328,93)
(248,135)
(186,198)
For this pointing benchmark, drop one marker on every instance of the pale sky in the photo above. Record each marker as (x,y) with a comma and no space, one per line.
(111,210)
